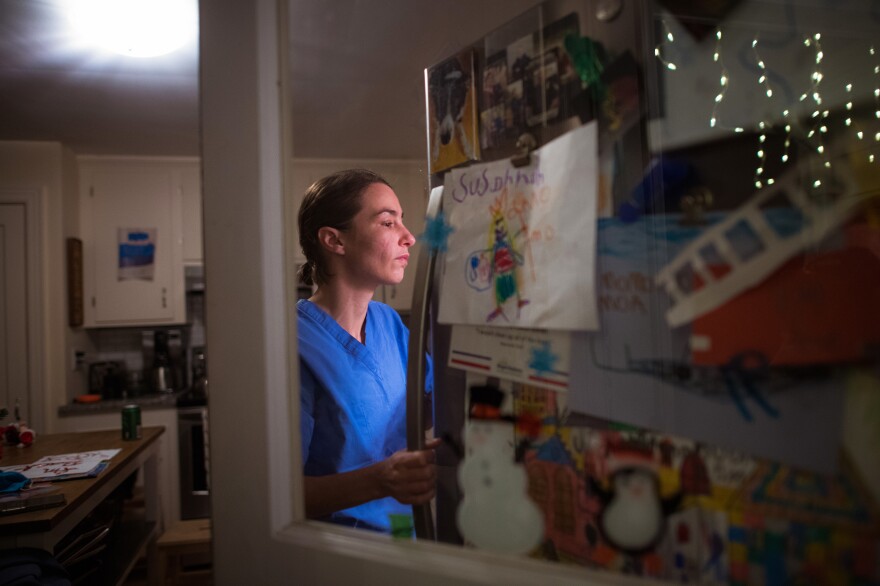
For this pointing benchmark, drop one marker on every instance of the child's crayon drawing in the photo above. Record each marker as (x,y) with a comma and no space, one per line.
(497,267)
(524,239)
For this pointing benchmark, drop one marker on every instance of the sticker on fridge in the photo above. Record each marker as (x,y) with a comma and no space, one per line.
(137,253)
(522,251)
(536,357)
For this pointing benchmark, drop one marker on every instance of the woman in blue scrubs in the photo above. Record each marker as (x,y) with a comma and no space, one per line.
(353,353)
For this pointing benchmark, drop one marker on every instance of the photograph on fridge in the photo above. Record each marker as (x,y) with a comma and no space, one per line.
(496,115)
(453,116)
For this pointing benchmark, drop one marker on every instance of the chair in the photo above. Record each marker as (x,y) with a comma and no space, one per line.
(180,544)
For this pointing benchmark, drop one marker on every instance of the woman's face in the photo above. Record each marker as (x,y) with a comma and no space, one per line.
(377,243)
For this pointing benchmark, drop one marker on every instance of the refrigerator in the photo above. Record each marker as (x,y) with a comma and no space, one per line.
(641,268)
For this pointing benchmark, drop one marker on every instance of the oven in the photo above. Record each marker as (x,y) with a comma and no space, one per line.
(192,429)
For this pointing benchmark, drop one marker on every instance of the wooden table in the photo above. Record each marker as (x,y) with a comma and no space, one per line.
(45,528)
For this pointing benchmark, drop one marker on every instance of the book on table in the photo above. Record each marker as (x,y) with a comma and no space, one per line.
(37,496)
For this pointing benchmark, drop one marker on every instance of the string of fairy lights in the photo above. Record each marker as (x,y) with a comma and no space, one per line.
(818,117)
(762,138)
(659,54)
(876,96)
(723,81)
(818,122)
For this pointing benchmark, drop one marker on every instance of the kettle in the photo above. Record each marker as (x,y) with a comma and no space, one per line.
(163,379)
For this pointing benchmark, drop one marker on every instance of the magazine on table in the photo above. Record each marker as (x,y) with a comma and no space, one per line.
(66,466)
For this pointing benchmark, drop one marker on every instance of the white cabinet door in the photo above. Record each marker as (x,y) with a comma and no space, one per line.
(14,356)
(128,206)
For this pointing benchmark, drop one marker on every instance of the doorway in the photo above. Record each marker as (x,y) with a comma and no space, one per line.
(19,306)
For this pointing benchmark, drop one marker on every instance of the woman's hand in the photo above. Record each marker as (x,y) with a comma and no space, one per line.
(410,477)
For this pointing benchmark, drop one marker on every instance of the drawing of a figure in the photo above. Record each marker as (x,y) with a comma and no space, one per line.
(505,262)
(479,270)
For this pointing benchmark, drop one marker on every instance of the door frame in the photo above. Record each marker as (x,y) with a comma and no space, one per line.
(259,531)
(32,199)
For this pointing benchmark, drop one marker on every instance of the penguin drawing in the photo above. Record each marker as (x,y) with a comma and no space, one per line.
(633,517)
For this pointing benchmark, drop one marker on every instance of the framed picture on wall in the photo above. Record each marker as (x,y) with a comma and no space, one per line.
(74,282)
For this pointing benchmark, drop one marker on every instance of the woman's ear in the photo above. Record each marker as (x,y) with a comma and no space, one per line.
(331,240)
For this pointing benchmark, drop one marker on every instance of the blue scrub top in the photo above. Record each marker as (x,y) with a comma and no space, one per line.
(353,399)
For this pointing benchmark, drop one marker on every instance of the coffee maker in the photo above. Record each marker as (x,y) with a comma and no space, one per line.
(164,359)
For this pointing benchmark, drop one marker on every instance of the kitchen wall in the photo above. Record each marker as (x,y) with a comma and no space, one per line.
(51,168)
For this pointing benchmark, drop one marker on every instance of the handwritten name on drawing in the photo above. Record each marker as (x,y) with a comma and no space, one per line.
(483,182)
(625,293)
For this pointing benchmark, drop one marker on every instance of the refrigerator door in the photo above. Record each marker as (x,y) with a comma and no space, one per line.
(525,58)
(736,271)
(551,105)
(416,366)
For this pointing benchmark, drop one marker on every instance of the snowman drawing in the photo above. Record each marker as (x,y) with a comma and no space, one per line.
(496,513)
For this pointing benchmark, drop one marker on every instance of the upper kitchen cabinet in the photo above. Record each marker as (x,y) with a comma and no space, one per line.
(132,213)
(191,192)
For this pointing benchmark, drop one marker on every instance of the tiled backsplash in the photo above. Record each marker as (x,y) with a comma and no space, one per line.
(125,344)
(118,344)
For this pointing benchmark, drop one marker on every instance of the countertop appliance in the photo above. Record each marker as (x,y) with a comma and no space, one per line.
(164,359)
(107,378)
(199,385)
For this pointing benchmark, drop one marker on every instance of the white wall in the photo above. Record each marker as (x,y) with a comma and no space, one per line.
(51,167)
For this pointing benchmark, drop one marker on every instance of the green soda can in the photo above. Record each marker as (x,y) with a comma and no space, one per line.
(131,422)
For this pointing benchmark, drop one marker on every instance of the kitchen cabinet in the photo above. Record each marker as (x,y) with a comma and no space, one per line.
(131,222)
(191,193)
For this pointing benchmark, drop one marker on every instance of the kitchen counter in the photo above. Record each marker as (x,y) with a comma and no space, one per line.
(145,401)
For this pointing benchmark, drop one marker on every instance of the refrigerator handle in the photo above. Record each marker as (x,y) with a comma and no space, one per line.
(416,366)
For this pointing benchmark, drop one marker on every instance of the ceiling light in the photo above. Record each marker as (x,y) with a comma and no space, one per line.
(135,28)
